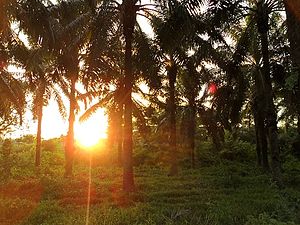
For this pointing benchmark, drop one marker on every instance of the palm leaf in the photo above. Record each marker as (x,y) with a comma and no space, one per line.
(102,103)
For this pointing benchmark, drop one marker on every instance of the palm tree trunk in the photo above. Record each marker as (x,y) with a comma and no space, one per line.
(192,135)
(271,115)
(261,141)
(258,144)
(69,146)
(40,104)
(212,128)
(192,129)
(259,117)
(264,147)
(129,19)
(119,124)
(298,106)
(39,136)
(172,73)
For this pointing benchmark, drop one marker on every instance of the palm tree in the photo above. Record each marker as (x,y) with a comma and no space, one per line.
(129,14)
(191,82)
(259,12)
(293,26)
(176,20)
(42,80)
(43,83)
(126,22)
(263,9)
(62,29)
(104,68)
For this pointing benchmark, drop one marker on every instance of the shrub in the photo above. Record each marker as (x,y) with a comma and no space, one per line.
(6,159)
(205,154)
(145,154)
(237,150)
(51,144)
(247,135)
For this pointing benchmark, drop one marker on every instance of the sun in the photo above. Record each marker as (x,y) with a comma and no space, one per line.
(93,130)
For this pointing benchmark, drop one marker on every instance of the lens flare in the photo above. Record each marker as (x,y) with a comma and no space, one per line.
(212,88)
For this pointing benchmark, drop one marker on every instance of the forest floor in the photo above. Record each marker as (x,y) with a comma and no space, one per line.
(223,194)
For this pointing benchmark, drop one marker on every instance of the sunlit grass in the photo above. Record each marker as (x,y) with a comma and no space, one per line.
(222,194)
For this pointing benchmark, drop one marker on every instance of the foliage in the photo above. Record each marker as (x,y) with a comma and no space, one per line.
(150,151)
(237,150)
(26,139)
(6,159)
(9,120)
(51,144)
(205,154)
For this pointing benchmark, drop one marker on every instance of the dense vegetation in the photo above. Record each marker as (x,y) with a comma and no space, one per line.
(213,139)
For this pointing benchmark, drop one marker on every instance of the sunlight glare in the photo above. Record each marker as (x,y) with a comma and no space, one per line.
(91,131)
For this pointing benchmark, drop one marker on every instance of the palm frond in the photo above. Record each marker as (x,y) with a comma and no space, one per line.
(60,103)
(11,90)
(91,110)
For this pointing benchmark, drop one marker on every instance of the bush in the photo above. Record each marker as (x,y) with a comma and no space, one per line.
(145,154)
(6,159)
(237,150)
(288,142)
(247,135)
(51,144)
(205,154)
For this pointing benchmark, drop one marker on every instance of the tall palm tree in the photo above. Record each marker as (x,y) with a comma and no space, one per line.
(44,84)
(293,25)
(69,58)
(175,19)
(40,70)
(104,68)
(259,12)
(127,12)
(191,82)
(263,10)
(62,29)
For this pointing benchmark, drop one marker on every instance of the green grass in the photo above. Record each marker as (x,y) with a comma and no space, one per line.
(223,194)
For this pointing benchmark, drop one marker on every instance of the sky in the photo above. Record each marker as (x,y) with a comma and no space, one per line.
(53,125)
